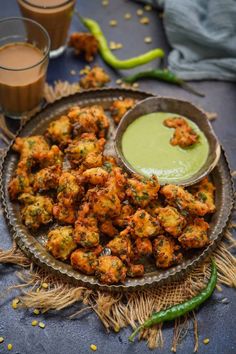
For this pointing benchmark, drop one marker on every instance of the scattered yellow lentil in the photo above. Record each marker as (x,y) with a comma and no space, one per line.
(41,325)
(206,340)
(37,290)
(118,81)
(147,8)
(34,323)
(127,16)
(113,23)
(14,303)
(105,3)
(135,85)
(36,312)
(93,347)
(73,72)
(45,285)
(148,39)
(9,346)
(117,328)
(144,20)
(1,339)
(113,45)
(139,12)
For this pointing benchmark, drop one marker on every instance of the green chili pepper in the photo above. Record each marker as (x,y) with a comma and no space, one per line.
(110,58)
(162,75)
(181,309)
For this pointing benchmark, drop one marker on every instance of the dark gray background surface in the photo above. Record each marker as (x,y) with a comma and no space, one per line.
(216,320)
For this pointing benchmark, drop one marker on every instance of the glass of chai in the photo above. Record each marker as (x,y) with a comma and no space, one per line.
(24,56)
(54,15)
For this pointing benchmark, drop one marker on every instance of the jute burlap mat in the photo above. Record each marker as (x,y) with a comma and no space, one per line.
(121,309)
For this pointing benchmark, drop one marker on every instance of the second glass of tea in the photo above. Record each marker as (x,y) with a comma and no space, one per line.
(54,15)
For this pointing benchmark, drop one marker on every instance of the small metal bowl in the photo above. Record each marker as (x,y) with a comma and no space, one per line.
(183,108)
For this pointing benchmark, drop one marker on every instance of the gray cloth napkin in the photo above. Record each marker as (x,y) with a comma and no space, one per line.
(202,34)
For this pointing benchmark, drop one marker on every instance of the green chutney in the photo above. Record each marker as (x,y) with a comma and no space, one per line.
(146,146)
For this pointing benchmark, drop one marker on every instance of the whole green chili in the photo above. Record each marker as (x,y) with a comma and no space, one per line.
(162,75)
(110,58)
(181,309)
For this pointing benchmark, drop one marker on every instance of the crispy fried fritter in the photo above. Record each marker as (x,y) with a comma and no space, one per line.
(120,246)
(142,247)
(19,184)
(183,200)
(171,220)
(184,135)
(86,151)
(120,107)
(85,261)
(96,77)
(89,120)
(166,252)
(142,224)
(95,176)
(110,270)
(142,190)
(195,234)
(135,270)
(86,232)
(37,210)
(107,228)
(52,157)
(122,219)
(59,131)
(68,190)
(64,214)
(85,44)
(104,202)
(30,147)
(47,178)
(118,180)
(204,192)
(60,242)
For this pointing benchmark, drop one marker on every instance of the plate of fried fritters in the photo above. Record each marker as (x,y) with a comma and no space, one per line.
(75,211)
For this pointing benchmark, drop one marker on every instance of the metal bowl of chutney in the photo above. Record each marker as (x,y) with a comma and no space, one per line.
(167,107)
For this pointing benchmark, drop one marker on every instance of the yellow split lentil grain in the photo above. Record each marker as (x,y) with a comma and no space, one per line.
(144,20)
(34,323)
(41,325)
(206,340)
(45,285)
(93,347)
(9,346)
(147,8)
(14,303)
(118,81)
(36,312)
(148,39)
(113,23)
(1,339)
(105,3)
(127,16)
(139,12)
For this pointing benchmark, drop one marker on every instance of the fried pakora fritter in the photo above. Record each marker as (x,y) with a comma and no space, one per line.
(86,232)
(183,200)
(37,210)
(96,77)
(135,270)
(142,190)
(89,120)
(142,247)
(195,234)
(86,261)
(110,270)
(120,246)
(86,152)
(19,184)
(61,243)
(118,181)
(68,191)
(84,44)
(47,178)
(59,131)
(104,202)
(184,135)
(122,219)
(64,214)
(166,252)
(204,192)
(142,224)
(95,176)
(120,107)
(107,228)
(30,148)
(52,157)
(171,220)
